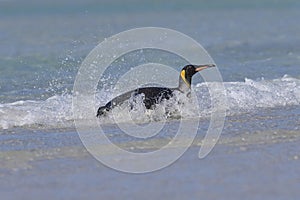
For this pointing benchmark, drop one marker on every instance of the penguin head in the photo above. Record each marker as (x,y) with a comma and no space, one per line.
(189,70)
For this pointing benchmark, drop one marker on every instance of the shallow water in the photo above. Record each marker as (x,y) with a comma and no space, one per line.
(256,46)
(257,152)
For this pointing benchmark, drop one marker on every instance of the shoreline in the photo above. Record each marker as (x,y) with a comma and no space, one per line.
(56,172)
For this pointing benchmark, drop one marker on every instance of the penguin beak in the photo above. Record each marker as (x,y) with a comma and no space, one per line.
(201,67)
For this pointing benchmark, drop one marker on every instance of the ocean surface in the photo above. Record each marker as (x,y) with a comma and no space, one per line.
(256,46)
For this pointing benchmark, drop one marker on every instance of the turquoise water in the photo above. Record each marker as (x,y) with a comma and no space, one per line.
(256,45)
(42,51)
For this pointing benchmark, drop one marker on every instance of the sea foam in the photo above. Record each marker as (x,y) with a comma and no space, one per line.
(56,111)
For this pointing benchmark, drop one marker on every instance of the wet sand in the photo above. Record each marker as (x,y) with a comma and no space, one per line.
(255,166)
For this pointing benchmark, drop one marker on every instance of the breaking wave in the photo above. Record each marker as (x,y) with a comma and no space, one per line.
(241,96)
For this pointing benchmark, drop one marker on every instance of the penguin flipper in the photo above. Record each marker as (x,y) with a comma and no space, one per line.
(103,110)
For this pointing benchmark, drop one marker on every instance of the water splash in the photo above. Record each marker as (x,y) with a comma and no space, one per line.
(56,111)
